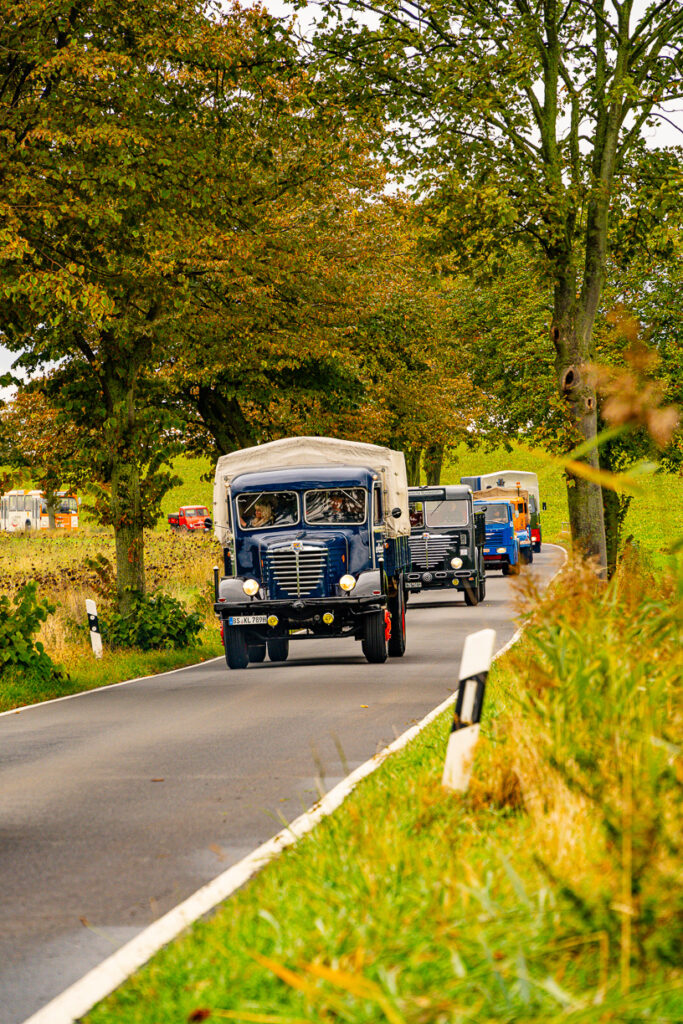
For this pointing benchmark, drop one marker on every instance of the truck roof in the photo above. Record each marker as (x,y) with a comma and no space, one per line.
(449,492)
(305,478)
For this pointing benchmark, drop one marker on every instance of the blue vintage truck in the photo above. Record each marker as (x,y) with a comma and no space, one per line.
(502,548)
(315,536)
(447,539)
(520,480)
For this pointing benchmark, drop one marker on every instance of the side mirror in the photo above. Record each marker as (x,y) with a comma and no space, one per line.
(396,512)
(544,507)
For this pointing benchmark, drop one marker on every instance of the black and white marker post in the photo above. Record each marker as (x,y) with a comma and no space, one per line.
(94,624)
(474,668)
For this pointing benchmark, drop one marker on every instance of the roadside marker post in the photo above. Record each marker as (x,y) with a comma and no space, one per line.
(474,668)
(94,624)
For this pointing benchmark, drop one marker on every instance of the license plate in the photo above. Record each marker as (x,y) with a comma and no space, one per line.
(247,620)
(416,585)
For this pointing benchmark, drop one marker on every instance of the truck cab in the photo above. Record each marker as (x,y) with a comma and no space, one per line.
(447,536)
(190,519)
(310,551)
(502,550)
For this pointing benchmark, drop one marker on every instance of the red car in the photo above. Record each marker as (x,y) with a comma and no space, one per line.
(190,518)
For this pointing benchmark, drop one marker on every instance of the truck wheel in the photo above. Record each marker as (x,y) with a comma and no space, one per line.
(236,647)
(537,546)
(506,568)
(374,641)
(471,595)
(278,650)
(482,589)
(529,554)
(257,652)
(397,610)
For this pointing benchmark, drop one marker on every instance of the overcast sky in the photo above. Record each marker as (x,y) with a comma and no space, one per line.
(664,134)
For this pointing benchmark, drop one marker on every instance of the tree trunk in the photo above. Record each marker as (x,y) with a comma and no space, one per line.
(50,502)
(126,508)
(413,459)
(432,463)
(571,337)
(126,504)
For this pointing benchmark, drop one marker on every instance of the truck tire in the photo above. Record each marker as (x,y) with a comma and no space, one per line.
(397,610)
(482,589)
(506,569)
(236,647)
(537,546)
(471,595)
(257,653)
(278,650)
(374,642)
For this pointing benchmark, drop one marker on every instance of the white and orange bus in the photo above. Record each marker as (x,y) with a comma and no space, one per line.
(27,510)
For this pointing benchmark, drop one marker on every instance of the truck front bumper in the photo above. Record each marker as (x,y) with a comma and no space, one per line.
(440,579)
(319,616)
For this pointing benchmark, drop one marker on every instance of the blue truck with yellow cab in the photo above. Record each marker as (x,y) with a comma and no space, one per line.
(315,537)
(447,539)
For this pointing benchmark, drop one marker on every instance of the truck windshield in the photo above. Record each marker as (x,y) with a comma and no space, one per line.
(497,513)
(200,510)
(267,509)
(439,513)
(337,505)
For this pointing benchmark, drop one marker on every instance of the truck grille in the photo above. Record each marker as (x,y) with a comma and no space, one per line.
(297,573)
(427,554)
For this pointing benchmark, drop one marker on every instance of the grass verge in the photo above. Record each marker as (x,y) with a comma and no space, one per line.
(22,688)
(552,892)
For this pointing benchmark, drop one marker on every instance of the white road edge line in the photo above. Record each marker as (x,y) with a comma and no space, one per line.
(109,686)
(75,1001)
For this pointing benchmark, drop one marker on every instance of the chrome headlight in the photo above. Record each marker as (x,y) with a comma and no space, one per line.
(501,551)
(456,563)
(250,587)
(347,582)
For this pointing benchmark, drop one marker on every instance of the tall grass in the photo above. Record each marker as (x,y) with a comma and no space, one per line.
(551,892)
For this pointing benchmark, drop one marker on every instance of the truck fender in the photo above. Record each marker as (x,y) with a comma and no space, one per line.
(368,584)
(230,589)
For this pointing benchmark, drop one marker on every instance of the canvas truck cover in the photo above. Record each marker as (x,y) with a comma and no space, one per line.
(499,493)
(316,451)
(510,478)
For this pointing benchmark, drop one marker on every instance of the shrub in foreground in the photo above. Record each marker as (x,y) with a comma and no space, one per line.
(154,623)
(20,620)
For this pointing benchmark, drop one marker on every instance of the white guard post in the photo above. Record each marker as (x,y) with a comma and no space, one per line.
(474,668)
(94,624)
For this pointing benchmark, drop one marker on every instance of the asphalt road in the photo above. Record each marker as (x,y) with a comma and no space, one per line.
(119,803)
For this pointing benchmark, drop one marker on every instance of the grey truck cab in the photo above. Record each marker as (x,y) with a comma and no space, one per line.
(315,534)
(447,537)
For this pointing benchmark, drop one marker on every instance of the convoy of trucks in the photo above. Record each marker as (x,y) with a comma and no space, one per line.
(322,538)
